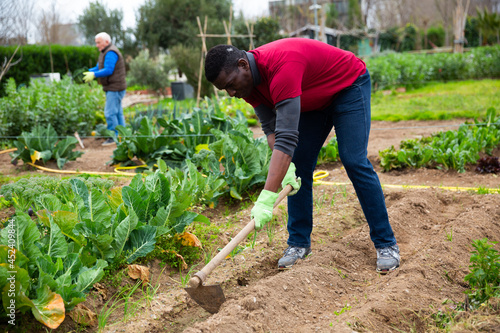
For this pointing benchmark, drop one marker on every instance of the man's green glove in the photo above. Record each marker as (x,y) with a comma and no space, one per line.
(262,211)
(88,76)
(291,179)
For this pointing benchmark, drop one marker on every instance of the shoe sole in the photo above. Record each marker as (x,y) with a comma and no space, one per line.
(385,271)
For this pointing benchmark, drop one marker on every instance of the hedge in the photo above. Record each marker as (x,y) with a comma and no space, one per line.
(36,60)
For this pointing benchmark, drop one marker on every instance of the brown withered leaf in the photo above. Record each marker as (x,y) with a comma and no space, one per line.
(101,290)
(83,315)
(139,272)
(188,239)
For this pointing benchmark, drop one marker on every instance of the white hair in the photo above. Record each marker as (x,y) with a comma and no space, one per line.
(105,37)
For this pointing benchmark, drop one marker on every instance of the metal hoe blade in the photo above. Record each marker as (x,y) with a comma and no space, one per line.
(208,297)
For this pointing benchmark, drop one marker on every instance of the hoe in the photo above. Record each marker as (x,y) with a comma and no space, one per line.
(211,297)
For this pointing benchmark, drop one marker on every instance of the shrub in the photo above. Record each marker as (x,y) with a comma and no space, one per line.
(66,106)
(150,72)
(188,61)
(436,35)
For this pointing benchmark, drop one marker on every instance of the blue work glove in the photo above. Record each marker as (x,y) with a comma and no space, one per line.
(88,76)
(291,179)
(262,211)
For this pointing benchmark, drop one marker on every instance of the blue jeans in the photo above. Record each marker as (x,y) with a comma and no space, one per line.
(113,110)
(350,114)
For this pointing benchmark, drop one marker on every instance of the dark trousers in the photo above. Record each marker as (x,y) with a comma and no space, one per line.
(350,115)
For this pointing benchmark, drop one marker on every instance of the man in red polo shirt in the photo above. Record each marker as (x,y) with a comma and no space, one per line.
(300,90)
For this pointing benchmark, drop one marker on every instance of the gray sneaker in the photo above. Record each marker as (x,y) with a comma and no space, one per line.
(108,142)
(291,255)
(388,259)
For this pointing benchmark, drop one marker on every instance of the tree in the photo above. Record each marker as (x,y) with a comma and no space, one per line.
(489,26)
(332,16)
(48,27)
(98,18)
(355,19)
(445,9)
(266,30)
(49,22)
(15,21)
(165,23)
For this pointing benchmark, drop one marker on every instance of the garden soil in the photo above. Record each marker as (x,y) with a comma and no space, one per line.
(336,288)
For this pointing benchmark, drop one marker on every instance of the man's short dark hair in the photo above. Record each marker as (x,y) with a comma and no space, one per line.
(222,57)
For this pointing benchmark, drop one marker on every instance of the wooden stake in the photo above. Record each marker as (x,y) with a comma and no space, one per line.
(79,140)
(203,34)
(250,34)
(228,34)
(203,52)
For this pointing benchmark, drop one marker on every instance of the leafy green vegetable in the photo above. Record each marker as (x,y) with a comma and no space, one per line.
(448,150)
(43,143)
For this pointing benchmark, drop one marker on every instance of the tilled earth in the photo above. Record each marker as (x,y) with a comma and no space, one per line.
(336,289)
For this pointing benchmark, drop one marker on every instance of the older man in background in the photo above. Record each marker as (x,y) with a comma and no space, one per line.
(110,72)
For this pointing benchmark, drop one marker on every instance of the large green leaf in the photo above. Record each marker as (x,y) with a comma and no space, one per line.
(99,211)
(88,276)
(115,198)
(186,219)
(26,233)
(12,256)
(103,245)
(154,187)
(46,265)
(71,266)
(123,231)
(145,135)
(66,222)
(80,189)
(165,189)
(49,202)
(94,206)
(20,300)
(142,241)
(162,217)
(65,146)
(54,243)
(11,273)
(133,200)
(137,184)
(71,296)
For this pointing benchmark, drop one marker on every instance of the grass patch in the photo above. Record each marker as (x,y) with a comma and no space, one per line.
(438,101)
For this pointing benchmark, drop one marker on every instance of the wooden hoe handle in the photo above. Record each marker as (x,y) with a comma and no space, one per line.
(201,276)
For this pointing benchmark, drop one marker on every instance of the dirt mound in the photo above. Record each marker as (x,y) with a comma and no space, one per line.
(337,288)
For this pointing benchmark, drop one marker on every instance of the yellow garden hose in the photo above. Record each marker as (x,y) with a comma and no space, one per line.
(117,172)
(117,169)
(71,172)
(317,176)
(7,151)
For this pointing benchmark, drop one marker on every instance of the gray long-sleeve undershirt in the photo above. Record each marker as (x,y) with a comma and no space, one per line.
(283,121)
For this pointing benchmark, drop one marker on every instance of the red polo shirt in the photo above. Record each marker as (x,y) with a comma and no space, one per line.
(303,67)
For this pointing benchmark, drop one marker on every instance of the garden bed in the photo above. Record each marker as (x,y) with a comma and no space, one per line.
(336,289)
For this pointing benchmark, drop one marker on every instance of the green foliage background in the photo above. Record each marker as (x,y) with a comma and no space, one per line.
(36,60)
(66,106)
(165,23)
